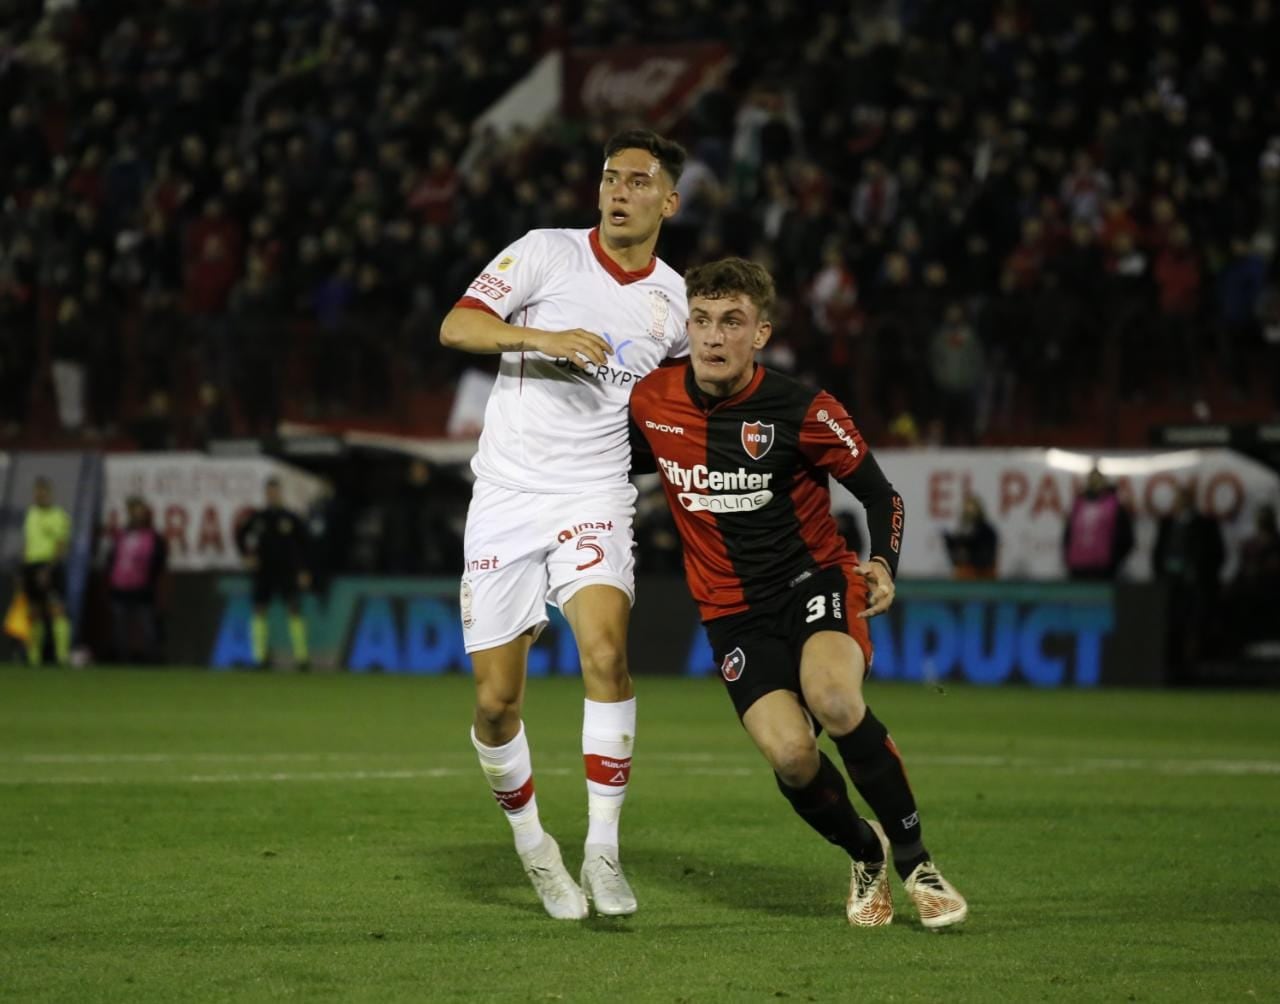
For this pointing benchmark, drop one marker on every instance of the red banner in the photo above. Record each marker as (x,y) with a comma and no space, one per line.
(657,83)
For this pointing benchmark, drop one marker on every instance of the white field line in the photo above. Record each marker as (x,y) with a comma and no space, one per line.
(663,763)
(329,776)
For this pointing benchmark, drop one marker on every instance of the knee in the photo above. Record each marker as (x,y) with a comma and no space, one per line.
(498,710)
(795,760)
(604,659)
(837,708)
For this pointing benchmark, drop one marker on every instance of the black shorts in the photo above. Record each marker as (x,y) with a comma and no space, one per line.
(39,592)
(269,583)
(758,650)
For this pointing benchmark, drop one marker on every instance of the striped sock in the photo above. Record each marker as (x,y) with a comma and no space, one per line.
(509,771)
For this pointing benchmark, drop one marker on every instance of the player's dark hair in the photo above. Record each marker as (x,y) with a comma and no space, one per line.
(670,154)
(729,277)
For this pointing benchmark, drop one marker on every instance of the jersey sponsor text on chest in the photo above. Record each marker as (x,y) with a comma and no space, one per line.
(699,476)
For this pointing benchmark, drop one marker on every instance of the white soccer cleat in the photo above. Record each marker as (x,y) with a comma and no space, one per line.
(559,892)
(870,898)
(936,899)
(604,883)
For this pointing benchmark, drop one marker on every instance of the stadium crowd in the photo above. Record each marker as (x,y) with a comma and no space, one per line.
(984,217)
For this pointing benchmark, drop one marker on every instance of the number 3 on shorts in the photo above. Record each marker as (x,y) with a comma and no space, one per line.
(587,542)
(817,608)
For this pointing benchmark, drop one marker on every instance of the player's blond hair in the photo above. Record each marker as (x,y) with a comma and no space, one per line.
(730,277)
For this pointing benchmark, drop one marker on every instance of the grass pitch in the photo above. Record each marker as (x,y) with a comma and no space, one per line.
(192,836)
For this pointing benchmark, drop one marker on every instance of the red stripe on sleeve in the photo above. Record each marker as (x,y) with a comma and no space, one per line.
(471,303)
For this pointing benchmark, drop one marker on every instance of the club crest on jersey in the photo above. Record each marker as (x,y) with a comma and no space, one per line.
(734,663)
(757,438)
(660,307)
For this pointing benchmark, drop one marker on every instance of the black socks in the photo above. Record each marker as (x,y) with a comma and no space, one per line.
(877,772)
(824,804)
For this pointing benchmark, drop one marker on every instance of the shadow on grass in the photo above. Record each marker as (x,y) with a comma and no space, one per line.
(490,874)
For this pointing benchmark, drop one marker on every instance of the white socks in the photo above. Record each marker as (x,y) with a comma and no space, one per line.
(509,771)
(608,737)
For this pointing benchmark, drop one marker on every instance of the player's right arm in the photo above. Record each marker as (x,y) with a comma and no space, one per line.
(474,329)
(518,277)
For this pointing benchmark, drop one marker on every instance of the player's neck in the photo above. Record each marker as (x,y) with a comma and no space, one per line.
(629,257)
(720,390)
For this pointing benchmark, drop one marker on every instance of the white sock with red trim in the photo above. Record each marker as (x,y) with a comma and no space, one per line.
(509,771)
(608,737)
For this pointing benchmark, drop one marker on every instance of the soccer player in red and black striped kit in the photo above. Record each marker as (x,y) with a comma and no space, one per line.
(745,455)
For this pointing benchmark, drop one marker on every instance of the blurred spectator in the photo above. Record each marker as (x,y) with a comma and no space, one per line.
(1240,287)
(1178,279)
(212,419)
(1098,534)
(957,363)
(154,430)
(135,563)
(420,537)
(70,358)
(1108,179)
(1251,597)
(972,546)
(1188,557)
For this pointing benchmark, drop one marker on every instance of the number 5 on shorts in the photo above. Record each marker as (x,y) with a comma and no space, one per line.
(587,542)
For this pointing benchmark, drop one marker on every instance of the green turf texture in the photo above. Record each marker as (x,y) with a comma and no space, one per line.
(193,836)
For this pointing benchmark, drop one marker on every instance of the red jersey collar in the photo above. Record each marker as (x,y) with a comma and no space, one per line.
(708,403)
(620,274)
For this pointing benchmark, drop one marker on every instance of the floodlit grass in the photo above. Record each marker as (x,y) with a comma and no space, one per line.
(191,836)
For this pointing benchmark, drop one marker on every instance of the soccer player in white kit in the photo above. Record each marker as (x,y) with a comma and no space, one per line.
(579,317)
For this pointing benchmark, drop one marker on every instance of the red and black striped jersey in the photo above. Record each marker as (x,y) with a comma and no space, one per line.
(747,480)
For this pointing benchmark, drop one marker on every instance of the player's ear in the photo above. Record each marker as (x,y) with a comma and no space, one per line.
(764,330)
(671,204)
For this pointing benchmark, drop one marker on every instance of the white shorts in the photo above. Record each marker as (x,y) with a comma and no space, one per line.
(523,551)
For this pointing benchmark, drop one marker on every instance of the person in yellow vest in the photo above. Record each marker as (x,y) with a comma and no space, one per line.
(47,535)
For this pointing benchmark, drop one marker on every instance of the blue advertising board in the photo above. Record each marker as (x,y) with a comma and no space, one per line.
(1040,634)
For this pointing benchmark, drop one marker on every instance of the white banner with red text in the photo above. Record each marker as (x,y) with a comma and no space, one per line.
(1028,493)
(198,501)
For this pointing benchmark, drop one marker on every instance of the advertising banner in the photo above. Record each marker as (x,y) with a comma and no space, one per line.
(1042,634)
(198,500)
(657,83)
(1027,495)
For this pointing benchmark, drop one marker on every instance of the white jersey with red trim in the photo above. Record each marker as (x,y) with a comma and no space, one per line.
(550,427)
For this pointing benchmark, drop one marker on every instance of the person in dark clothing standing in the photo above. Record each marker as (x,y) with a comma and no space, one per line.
(274,543)
(1188,556)
(420,539)
(972,546)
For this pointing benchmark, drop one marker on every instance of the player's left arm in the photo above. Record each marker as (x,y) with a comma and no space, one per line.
(830,440)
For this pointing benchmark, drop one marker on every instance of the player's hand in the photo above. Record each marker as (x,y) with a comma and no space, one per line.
(304,581)
(880,588)
(578,346)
